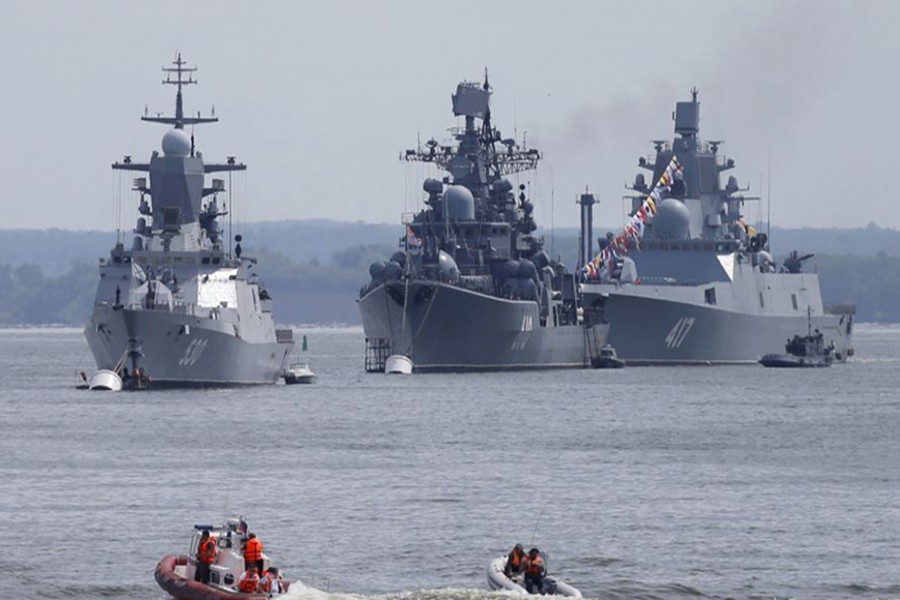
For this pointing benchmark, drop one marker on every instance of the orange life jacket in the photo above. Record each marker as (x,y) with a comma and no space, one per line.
(270,583)
(249,582)
(253,550)
(515,560)
(206,553)
(534,566)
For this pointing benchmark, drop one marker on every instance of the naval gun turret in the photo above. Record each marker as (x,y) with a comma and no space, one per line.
(794,262)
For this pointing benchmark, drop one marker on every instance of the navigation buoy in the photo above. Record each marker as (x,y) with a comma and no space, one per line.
(398,364)
(105,381)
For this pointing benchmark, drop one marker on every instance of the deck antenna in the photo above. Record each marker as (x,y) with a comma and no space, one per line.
(537,523)
(120,237)
(230,209)
(515,126)
(769,200)
(552,210)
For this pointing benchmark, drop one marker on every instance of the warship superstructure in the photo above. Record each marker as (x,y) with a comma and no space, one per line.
(181,305)
(689,280)
(471,286)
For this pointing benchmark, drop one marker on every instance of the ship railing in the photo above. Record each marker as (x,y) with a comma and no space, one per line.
(185,308)
(284,336)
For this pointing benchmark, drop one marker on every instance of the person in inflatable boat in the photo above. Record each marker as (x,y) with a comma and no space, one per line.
(271,582)
(253,554)
(249,581)
(515,561)
(535,570)
(206,555)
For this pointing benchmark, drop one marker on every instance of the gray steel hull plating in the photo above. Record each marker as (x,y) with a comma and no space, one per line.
(448,328)
(648,330)
(183,350)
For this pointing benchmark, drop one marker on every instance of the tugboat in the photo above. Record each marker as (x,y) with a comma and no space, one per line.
(802,351)
(688,280)
(181,306)
(176,573)
(471,286)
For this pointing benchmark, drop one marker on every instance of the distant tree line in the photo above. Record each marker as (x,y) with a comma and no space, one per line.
(306,292)
(312,287)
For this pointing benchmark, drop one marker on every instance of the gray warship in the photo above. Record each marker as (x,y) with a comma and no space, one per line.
(689,281)
(179,306)
(471,286)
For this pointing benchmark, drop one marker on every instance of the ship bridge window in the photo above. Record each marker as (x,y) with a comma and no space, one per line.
(794,300)
(710,295)
(205,260)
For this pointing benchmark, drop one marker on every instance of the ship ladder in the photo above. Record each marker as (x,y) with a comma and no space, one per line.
(592,346)
(121,361)
(377,352)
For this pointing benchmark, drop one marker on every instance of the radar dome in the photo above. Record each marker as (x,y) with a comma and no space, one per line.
(448,268)
(672,220)
(176,143)
(459,203)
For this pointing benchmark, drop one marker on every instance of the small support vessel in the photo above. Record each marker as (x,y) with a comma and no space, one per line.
(501,579)
(298,373)
(607,359)
(802,351)
(177,574)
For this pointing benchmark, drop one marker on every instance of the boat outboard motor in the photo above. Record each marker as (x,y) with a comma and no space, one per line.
(447,267)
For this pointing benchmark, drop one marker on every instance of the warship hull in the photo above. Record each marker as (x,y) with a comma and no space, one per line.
(183,350)
(443,327)
(655,330)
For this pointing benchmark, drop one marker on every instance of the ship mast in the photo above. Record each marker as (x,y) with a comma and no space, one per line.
(179,120)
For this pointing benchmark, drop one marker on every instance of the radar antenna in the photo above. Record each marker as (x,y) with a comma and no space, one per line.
(179,120)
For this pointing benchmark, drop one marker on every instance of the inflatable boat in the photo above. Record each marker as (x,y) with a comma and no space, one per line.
(498,581)
(175,573)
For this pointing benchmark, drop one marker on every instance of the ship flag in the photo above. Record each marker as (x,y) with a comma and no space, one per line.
(635,228)
(413,242)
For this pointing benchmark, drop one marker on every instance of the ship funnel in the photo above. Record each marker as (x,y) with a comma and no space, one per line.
(586,246)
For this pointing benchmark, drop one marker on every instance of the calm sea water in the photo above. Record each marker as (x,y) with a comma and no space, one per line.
(699,482)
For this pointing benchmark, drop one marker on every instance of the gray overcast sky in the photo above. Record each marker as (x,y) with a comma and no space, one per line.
(320,97)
